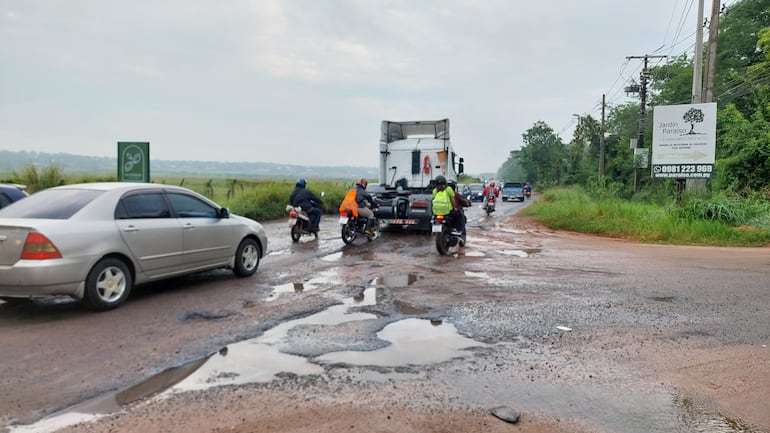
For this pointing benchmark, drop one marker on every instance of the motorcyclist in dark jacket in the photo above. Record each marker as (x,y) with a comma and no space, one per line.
(309,202)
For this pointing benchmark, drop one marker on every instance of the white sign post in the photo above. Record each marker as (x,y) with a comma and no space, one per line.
(684,141)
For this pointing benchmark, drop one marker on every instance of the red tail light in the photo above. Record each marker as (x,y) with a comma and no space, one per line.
(422,204)
(439,219)
(38,247)
(293,214)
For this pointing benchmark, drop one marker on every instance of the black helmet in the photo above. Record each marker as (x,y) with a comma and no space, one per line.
(301,182)
(440,180)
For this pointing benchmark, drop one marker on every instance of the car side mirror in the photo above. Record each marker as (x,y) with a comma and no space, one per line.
(224,213)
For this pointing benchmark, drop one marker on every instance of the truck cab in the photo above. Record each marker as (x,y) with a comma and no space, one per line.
(412,154)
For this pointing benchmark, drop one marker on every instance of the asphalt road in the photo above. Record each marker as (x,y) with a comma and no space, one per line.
(574,333)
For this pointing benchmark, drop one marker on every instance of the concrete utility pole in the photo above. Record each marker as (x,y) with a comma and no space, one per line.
(711,60)
(644,77)
(697,73)
(697,98)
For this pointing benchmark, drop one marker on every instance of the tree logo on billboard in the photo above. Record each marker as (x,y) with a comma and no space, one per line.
(693,116)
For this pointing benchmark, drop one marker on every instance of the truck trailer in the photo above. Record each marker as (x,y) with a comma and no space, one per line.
(412,154)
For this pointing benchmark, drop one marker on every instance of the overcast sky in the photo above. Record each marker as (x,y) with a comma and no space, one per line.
(308,82)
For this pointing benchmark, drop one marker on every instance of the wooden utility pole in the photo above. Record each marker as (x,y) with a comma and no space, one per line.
(644,77)
(601,140)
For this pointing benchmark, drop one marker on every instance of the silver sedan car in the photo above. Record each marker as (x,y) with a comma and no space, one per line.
(96,241)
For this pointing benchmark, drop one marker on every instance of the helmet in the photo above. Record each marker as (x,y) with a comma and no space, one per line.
(492,184)
(363,182)
(440,180)
(301,182)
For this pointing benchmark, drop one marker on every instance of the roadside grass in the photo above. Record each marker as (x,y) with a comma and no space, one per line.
(705,219)
(262,199)
(259,199)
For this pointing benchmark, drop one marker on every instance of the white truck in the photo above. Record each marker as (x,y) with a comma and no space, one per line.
(412,154)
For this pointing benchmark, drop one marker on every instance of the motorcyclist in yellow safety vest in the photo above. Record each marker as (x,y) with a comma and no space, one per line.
(443,203)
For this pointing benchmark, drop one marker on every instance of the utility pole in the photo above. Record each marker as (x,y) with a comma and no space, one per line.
(711,60)
(708,83)
(601,140)
(644,77)
(697,72)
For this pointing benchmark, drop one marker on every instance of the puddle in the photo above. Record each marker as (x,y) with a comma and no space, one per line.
(517,253)
(279,253)
(474,254)
(104,405)
(477,274)
(332,257)
(397,280)
(413,342)
(326,277)
(409,309)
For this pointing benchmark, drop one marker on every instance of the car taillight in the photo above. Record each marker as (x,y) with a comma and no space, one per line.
(38,247)
(422,204)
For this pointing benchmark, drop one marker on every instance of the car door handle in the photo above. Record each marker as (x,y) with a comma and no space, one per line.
(188,226)
(131,229)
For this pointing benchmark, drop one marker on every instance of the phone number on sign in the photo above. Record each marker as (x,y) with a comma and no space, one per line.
(682,170)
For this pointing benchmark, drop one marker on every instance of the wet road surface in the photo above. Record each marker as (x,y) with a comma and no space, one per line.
(575,333)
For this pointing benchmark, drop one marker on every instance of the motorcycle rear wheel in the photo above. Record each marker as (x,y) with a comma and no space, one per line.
(349,232)
(442,242)
(296,231)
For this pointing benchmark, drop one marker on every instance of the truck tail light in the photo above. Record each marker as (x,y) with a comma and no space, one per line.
(420,204)
(39,247)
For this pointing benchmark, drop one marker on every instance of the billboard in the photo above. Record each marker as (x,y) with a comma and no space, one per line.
(684,140)
(133,161)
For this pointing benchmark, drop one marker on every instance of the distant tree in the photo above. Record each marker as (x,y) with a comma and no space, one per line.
(543,155)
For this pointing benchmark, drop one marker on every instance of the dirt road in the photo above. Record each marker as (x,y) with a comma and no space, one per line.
(573,333)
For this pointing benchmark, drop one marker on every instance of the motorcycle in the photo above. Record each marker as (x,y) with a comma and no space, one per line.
(299,222)
(527,193)
(353,226)
(446,237)
(490,207)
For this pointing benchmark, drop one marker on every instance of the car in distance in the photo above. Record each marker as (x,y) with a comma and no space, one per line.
(513,191)
(11,192)
(96,241)
(464,190)
(477,191)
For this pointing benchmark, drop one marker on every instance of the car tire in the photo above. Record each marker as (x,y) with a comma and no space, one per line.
(247,258)
(108,285)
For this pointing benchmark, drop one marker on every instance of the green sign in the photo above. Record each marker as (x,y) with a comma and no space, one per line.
(133,161)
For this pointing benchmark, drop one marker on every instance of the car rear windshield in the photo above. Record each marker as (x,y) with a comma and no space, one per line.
(51,204)
(513,185)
